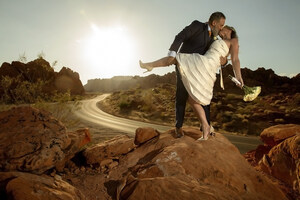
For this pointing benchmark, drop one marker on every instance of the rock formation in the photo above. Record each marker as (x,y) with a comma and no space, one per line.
(52,164)
(280,155)
(67,80)
(104,154)
(33,141)
(20,185)
(39,73)
(163,167)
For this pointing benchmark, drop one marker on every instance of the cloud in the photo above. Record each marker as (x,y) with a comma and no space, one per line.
(288,75)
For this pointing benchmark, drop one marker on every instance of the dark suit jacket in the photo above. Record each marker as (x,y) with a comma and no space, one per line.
(194,37)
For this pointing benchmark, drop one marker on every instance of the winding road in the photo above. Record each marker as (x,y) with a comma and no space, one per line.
(91,113)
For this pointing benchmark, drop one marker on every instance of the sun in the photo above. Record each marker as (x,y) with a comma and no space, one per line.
(109,51)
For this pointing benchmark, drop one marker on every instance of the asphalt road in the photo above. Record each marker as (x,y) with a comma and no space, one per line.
(91,113)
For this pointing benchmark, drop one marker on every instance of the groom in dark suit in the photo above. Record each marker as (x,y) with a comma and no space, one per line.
(195,38)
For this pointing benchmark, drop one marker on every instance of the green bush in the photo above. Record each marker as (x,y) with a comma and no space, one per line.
(15,90)
(124,103)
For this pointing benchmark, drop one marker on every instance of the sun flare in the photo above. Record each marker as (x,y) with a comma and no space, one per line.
(109,51)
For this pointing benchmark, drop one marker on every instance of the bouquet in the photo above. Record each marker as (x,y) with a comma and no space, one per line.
(250,92)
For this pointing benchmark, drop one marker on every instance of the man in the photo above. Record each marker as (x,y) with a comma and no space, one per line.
(195,38)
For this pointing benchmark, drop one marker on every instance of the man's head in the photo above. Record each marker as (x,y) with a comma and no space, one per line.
(216,22)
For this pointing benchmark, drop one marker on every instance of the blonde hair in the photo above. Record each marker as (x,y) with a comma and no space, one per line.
(233,31)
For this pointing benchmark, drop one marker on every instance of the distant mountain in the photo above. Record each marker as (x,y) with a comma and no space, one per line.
(270,82)
(128,82)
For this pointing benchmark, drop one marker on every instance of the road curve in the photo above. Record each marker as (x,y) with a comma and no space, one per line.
(89,111)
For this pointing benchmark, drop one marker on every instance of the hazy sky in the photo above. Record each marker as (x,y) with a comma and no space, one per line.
(105,38)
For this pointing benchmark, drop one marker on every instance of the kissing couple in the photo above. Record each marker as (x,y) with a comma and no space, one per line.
(197,62)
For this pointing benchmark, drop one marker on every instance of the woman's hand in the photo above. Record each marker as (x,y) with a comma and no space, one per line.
(223,61)
(240,79)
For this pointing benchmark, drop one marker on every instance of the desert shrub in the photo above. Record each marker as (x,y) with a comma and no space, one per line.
(279,120)
(27,92)
(15,90)
(5,85)
(5,107)
(227,116)
(124,103)
(61,109)
(296,99)
(148,102)
(23,58)
(238,116)
(61,97)
(232,97)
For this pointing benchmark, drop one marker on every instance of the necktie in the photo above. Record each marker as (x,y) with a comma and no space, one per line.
(209,33)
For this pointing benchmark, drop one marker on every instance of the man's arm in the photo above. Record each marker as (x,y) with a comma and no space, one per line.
(185,34)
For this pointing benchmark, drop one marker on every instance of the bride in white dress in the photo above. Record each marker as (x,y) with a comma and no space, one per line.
(198,72)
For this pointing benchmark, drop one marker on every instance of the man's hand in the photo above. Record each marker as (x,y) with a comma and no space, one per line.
(223,61)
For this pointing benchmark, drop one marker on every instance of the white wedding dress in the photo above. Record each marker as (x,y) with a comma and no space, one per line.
(198,72)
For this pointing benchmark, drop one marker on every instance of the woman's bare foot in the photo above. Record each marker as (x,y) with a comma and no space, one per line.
(147,67)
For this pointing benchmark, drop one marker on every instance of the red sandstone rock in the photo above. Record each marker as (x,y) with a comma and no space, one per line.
(66,80)
(109,149)
(254,156)
(283,162)
(164,168)
(79,139)
(32,140)
(40,69)
(184,168)
(142,135)
(24,186)
(276,134)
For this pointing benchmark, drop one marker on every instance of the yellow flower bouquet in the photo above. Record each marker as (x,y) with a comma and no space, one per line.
(250,92)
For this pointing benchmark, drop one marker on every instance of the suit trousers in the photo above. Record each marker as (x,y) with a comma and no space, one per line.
(181,99)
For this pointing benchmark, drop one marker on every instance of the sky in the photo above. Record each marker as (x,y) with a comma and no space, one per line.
(106,38)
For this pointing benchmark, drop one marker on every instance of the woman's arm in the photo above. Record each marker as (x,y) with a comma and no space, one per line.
(234,51)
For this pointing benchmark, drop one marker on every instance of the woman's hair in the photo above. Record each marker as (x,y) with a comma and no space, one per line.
(233,31)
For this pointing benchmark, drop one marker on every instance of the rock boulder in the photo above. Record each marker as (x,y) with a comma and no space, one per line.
(283,162)
(276,134)
(142,135)
(103,153)
(25,186)
(170,168)
(279,156)
(33,141)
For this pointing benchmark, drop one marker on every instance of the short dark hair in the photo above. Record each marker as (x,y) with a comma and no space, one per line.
(216,16)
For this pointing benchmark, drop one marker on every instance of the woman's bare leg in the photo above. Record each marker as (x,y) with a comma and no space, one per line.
(198,109)
(163,62)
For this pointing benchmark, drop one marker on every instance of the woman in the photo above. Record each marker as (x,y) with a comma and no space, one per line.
(198,72)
